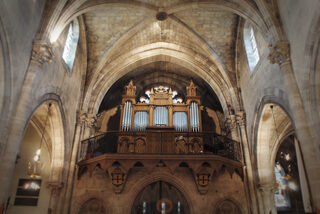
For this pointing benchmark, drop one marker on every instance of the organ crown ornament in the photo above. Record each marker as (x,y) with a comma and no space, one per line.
(191,90)
(131,89)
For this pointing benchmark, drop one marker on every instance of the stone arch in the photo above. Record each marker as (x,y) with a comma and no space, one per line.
(227,205)
(139,186)
(92,206)
(312,54)
(164,52)
(21,120)
(273,126)
(5,80)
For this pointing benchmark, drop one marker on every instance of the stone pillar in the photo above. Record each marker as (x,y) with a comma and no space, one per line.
(267,196)
(231,123)
(280,54)
(82,122)
(247,164)
(303,179)
(56,188)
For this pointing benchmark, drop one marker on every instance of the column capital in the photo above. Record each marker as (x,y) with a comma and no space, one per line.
(55,187)
(241,118)
(87,119)
(231,122)
(267,187)
(41,52)
(280,53)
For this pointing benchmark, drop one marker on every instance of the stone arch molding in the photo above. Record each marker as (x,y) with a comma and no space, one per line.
(5,80)
(159,52)
(268,138)
(92,206)
(142,183)
(55,133)
(227,205)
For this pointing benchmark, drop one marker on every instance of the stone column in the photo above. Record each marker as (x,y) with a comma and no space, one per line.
(247,164)
(280,54)
(231,123)
(267,196)
(56,188)
(82,122)
(303,179)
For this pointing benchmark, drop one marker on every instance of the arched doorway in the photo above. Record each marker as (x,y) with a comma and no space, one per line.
(39,162)
(227,207)
(290,178)
(160,197)
(92,206)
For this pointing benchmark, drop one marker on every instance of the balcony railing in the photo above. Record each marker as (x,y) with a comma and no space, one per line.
(160,142)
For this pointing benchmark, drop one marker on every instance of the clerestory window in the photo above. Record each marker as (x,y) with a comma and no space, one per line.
(251,47)
(69,51)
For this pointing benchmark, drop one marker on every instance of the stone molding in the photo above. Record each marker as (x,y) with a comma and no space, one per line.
(42,52)
(241,118)
(55,187)
(231,122)
(89,120)
(280,53)
(267,187)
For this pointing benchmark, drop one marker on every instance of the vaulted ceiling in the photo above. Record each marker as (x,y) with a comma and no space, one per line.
(118,29)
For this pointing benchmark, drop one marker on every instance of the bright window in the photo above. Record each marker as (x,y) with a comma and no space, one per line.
(69,51)
(251,47)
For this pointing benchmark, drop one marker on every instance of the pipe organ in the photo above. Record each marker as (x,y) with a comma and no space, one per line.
(162,114)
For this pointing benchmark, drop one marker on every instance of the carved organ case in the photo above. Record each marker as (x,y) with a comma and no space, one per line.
(160,123)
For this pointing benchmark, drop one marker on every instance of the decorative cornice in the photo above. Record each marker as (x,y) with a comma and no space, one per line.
(42,52)
(280,53)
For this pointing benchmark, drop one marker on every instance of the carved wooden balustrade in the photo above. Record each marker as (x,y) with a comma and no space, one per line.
(161,142)
(205,153)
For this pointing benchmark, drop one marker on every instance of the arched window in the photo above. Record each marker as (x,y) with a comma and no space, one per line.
(69,51)
(251,47)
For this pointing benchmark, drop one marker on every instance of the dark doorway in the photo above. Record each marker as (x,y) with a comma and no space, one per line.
(160,197)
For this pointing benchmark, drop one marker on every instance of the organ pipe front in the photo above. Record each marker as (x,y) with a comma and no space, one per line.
(160,111)
(160,123)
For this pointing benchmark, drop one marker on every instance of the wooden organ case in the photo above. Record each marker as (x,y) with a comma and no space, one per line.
(160,132)
(160,126)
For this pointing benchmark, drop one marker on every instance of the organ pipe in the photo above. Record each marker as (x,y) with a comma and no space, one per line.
(141,119)
(180,121)
(194,117)
(126,118)
(160,116)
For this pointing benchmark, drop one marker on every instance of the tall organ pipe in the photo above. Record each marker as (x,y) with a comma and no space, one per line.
(194,117)
(127,116)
